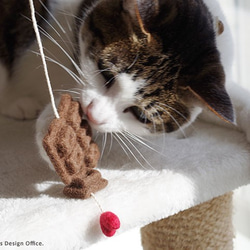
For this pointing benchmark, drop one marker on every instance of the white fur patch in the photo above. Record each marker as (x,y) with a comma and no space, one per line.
(108,105)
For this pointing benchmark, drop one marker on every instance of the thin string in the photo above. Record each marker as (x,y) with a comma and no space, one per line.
(98,204)
(40,45)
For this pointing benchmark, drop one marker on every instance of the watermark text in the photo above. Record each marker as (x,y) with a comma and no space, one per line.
(28,243)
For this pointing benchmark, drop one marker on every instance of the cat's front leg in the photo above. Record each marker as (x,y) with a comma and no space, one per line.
(24,108)
(42,125)
(14,106)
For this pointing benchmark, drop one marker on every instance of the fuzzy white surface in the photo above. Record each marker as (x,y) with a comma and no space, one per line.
(210,162)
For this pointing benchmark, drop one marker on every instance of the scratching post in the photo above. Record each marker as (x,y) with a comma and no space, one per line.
(206,226)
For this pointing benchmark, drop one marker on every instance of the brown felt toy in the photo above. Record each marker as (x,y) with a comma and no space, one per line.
(72,152)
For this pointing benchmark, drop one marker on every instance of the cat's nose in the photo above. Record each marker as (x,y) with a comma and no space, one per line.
(90,115)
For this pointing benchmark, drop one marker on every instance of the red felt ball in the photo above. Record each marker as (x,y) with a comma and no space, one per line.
(109,223)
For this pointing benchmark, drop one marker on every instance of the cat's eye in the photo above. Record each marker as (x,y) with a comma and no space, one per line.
(138,113)
(109,78)
(107,75)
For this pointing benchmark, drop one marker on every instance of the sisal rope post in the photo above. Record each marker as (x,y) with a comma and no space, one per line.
(206,226)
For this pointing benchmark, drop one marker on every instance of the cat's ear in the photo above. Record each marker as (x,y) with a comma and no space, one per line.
(219,26)
(216,98)
(142,11)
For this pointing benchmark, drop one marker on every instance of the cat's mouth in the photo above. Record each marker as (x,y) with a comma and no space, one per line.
(138,113)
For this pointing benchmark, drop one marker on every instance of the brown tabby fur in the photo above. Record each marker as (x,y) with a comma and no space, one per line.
(170,45)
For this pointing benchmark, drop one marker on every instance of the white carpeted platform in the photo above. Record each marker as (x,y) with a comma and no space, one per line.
(211,161)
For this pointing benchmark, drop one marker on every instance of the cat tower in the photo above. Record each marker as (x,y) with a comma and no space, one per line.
(181,200)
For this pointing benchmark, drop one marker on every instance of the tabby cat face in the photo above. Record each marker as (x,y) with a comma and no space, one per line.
(149,66)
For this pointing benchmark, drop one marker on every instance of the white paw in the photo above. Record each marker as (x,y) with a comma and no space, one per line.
(24,108)
(42,125)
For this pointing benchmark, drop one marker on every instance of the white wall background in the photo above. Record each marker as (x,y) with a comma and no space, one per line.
(238,15)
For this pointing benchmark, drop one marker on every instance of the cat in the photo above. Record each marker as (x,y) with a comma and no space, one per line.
(141,66)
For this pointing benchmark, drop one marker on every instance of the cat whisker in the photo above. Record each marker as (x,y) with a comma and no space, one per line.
(178,112)
(48,23)
(53,17)
(64,51)
(58,24)
(121,143)
(172,117)
(163,129)
(111,143)
(168,106)
(96,135)
(130,151)
(133,63)
(110,80)
(50,53)
(138,151)
(139,140)
(67,22)
(154,125)
(78,90)
(161,120)
(104,143)
(70,72)
(66,13)
(99,71)
(152,119)
(68,91)
(65,33)
(45,20)
(69,41)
